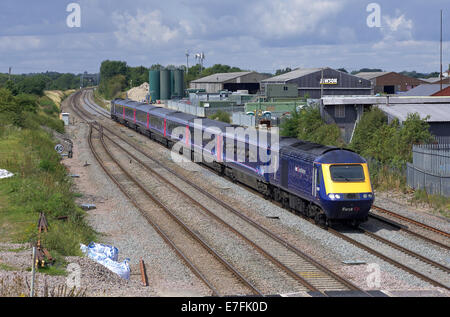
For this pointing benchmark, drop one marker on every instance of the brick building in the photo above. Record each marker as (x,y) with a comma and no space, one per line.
(390,82)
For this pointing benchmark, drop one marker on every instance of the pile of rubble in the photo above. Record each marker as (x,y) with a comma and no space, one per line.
(138,93)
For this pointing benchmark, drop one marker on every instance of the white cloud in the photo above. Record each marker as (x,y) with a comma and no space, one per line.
(145,28)
(19,43)
(399,28)
(294,17)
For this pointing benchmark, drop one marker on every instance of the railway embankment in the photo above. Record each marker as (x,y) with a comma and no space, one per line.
(40,184)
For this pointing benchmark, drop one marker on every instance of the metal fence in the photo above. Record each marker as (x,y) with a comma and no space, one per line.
(430,169)
(201,111)
(442,139)
(240,118)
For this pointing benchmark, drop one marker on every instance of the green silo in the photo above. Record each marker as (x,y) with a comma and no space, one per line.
(178,83)
(165,84)
(172,83)
(155,85)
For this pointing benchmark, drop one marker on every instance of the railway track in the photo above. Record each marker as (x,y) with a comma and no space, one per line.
(310,274)
(211,268)
(410,253)
(421,230)
(432,265)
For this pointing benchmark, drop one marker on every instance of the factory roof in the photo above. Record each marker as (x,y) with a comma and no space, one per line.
(296,73)
(437,112)
(425,90)
(431,80)
(220,77)
(371,75)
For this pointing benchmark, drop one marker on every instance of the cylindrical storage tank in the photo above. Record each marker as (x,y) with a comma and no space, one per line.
(165,84)
(172,83)
(179,83)
(155,85)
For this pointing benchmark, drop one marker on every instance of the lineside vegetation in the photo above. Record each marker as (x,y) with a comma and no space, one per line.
(386,146)
(41,182)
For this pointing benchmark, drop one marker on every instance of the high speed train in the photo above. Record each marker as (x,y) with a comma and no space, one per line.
(325,183)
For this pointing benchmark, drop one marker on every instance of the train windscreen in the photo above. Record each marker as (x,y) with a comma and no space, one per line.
(347,173)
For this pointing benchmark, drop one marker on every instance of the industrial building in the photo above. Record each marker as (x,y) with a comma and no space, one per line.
(317,82)
(431,80)
(390,82)
(346,111)
(427,90)
(438,115)
(249,81)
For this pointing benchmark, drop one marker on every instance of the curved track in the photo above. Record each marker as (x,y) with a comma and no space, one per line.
(309,273)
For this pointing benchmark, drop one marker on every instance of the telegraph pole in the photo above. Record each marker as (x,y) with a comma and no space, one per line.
(9,74)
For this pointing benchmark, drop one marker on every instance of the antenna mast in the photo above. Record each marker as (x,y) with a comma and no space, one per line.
(441,52)
(187,61)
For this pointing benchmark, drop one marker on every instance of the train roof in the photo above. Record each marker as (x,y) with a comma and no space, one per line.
(318,153)
(182,116)
(145,107)
(208,123)
(342,156)
(161,112)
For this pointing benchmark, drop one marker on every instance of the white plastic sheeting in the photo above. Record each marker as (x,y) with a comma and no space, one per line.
(107,256)
(5,174)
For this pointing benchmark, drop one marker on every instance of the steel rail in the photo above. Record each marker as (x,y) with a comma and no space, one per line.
(404,250)
(281,241)
(302,280)
(181,223)
(407,230)
(417,223)
(162,234)
(388,259)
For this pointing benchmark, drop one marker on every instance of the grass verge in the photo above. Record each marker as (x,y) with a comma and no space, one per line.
(40,184)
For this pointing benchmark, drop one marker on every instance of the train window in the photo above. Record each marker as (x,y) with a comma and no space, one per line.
(347,173)
(156,122)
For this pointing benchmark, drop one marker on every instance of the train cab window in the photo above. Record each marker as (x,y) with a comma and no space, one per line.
(319,175)
(347,173)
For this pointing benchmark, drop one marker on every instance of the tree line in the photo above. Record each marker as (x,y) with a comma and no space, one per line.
(35,84)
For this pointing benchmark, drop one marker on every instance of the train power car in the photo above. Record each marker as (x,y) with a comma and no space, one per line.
(325,183)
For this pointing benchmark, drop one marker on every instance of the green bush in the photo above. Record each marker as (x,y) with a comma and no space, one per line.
(389,143)
(221,116)
(307,125)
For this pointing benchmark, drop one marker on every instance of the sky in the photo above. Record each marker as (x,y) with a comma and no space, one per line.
(259,35)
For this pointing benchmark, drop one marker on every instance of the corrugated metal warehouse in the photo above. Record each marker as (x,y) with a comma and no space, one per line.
(426,90)
(229,81)
(439,119)
(390,82)
(334,82)
(346,111)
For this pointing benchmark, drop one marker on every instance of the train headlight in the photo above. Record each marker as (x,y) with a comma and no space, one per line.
(370,195)
(335,196)
(364,196)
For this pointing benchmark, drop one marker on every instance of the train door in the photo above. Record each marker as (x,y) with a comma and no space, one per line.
(284,172)
(317,176)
